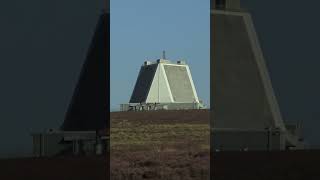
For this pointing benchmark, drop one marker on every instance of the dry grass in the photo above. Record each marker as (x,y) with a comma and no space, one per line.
(57,168)
(166,145)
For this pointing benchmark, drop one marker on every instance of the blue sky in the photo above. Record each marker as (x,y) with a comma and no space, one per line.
(142,29)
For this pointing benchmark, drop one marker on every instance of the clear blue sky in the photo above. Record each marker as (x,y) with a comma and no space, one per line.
(142,29)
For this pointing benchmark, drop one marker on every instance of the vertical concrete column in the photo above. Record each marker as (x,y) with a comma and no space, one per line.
(76,148)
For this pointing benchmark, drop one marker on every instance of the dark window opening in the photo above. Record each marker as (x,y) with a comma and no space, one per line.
(220,4)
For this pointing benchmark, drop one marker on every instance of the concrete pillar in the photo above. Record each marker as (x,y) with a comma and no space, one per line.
(76,147)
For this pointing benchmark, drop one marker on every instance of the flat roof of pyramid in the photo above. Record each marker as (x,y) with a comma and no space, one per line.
(165,61)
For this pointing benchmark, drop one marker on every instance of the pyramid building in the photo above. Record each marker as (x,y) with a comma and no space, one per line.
(163,85)
(245,113)
(85,128)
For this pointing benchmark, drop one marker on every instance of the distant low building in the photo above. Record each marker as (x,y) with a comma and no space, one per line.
(163,85)
(63,143)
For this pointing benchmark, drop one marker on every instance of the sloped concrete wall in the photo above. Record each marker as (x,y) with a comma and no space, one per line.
(160,90)
(242,94)
(88,109)
(180,83)
(143,83)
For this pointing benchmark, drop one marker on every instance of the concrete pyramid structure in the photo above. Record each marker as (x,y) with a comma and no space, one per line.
(245,111)
(85,127)
(164,85)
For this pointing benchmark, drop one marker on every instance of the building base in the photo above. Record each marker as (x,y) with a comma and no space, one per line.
(160,106)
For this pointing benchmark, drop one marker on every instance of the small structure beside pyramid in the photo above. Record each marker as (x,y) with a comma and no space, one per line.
(163,85)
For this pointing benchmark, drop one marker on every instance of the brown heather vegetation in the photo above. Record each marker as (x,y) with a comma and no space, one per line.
(160,145)
(276,165)
(57,168)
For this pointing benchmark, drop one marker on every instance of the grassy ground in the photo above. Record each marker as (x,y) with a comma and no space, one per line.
(57,168)
(275,165)
(160,145)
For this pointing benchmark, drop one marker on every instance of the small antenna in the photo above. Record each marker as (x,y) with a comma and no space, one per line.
(163,54)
